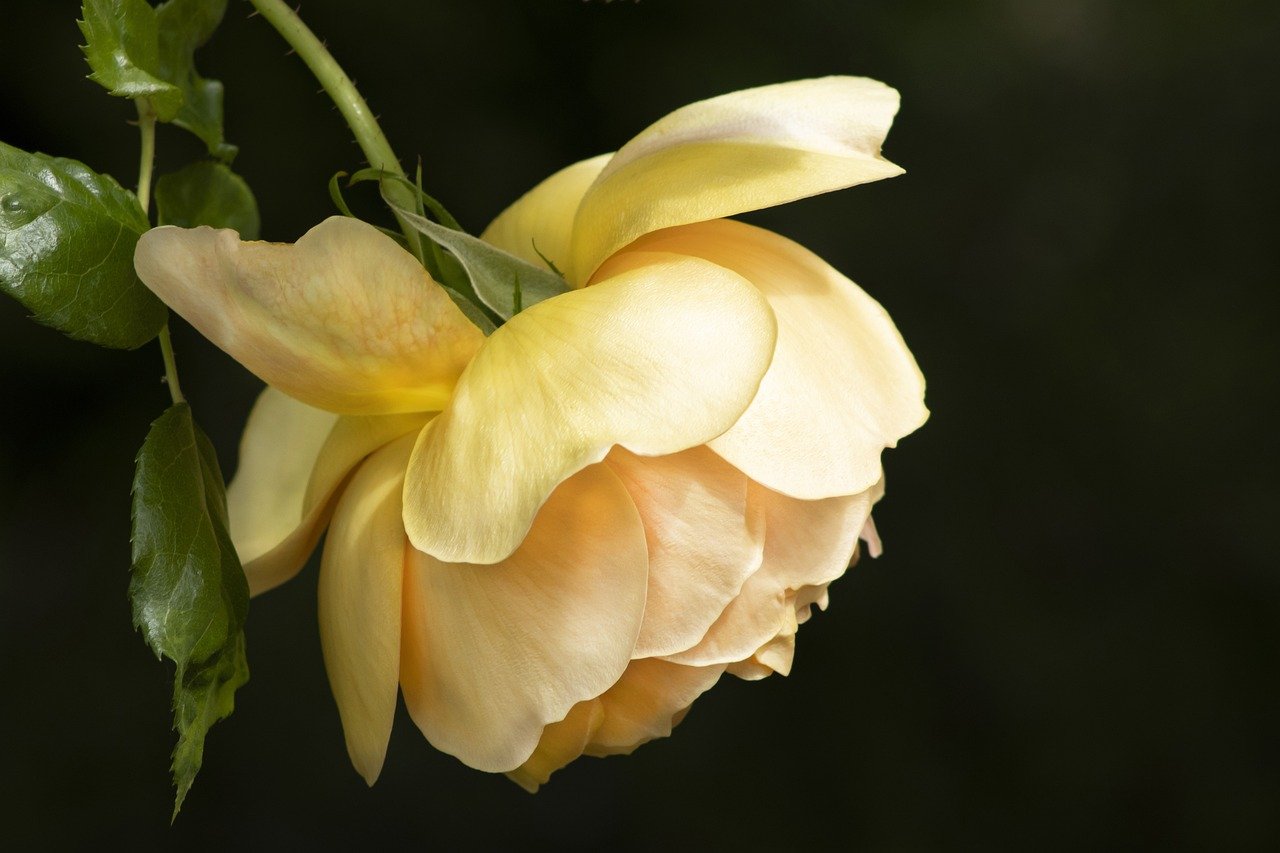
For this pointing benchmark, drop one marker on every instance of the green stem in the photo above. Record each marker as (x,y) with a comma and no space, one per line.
(343,92)
(147,127)
(170,366)
(146,165)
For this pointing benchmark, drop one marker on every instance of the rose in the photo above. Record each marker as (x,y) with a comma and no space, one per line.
(554,539)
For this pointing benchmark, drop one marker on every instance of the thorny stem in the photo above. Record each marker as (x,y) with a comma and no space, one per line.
(342,91)
(146,164)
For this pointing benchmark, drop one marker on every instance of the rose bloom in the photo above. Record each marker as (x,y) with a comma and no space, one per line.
(553,539)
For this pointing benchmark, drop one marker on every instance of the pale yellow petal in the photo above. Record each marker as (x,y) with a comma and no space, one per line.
(656,360)
(703,542)
(293,459)
(842,386)
(281,441)
(807,543)
(492,654)
(361,574)
(542,219)
(343,320)
(742,151)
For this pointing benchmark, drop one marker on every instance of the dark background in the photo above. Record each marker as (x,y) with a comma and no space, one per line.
(1072,638)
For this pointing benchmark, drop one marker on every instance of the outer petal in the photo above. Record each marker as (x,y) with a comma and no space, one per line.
(344,319)
(703,542)
(492,654)
(293,458)
(807,543)
(543,217)
(842,385)
(738,152)
(360,583)
(657,360)
(646,703)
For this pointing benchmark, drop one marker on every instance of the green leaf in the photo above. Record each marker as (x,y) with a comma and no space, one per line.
(203,695)
(183,27)
(443,216)
(335,194)
(474,312)
(122,47)
(207,194)
(189,593)
(67,236)
(495,275)
(190,597)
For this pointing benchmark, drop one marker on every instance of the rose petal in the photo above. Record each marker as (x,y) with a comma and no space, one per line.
(293,458)
(842,386)
(281,441)
(343,320)
(492,654)
(561,743)
(360,582)
(703,543)
(657,360)
(739,152)
(646,703)
(807,543)
(543,217)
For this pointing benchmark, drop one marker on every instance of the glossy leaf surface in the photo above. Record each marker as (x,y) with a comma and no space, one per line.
(67,236)
(189,593)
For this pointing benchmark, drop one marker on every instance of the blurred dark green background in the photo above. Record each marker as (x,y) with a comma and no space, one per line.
(1073,637)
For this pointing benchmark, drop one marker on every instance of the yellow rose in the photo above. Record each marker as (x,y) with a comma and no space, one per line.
(553,539)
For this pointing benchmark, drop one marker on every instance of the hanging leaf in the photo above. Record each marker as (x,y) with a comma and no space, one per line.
(190,597)
(183,26)
(67,236)
(122,47)
(202,696)
(207,194)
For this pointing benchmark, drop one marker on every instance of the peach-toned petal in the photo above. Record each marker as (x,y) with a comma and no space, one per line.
(344,319)
(741,151)
(360,580)
(775,656)
(703,543)
(842,385)
(647,702)
(542,219)
(807,543)
(492,654)
(658,359)
(561,743)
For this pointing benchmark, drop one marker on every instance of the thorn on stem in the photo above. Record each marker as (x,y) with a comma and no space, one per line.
(253,14)
(289,52)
